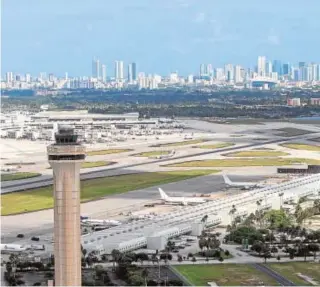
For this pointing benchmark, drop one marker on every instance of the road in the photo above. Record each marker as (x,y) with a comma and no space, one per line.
(13,186)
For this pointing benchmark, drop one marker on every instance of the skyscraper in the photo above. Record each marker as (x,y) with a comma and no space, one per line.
(119,70)
(229,72)
(237,74)
(96,68)
(286,69)
(103,73)
(269,69)
(277,67)
(203,70)
(65,157)
(261,69)
(132,72)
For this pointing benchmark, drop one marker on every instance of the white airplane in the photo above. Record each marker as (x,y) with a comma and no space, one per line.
(244,185)
(102,221)
(180,200)
(166,155)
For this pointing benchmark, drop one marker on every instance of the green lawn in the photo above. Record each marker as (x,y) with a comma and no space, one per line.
(41,198)
(301,146)
(106,151)
(241,162)
(225,275)
(187,142)
(18,175)
(290,270)
(152,153)
(214,146)
(90,164)
(256,153)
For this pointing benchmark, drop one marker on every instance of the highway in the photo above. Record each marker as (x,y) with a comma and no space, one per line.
(14,186)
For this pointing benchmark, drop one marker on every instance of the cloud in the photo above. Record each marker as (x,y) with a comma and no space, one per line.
(184,3)
(199,18)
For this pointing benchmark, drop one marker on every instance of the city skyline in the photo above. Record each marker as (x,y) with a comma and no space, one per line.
(161,37)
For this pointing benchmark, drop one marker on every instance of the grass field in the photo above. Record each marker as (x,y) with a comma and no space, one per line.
(291,132)
(214,146)
(301,146)
(18,175)
(106,151)
(256,153)
(237,162)
(41,198)
(290,270)
(187,142)
(90,164)
(152,153)
(225,275)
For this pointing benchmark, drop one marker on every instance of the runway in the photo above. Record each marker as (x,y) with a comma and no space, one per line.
(32,183)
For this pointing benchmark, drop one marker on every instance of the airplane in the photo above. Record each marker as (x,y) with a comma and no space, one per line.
(180,200)
(166,155)
(102,222)
(243,185)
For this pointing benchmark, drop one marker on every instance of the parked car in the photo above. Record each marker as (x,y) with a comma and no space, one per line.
(20,235)
(35,238)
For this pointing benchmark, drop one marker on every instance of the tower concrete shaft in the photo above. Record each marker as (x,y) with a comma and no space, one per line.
(65,158)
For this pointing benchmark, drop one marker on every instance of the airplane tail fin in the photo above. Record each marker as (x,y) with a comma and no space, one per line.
(163,194)
(226,179)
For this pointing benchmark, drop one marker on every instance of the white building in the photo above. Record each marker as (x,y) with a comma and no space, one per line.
(262,66)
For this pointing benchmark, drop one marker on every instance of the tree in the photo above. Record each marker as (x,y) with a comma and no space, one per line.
(202,243)
(257,247)
(145,274)
(314,248)
(226,252)
(274,250)
(207,259)
(278,258)
(194,259)
(221,259)
(180,258)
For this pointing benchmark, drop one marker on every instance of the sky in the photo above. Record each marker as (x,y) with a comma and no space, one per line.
(161,36)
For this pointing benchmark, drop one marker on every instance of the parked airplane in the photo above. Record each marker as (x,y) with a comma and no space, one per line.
(166,155)
(102,221)
(244,185)
(180,200)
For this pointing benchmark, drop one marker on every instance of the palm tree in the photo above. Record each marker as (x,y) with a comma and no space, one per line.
(281,198)
(232,211)
(145,274)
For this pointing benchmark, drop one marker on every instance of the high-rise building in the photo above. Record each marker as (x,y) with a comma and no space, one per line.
(119,70)
(9,77)
(96,68)
(286,69)
(209,70)
(132,72)
(269,69)
(237,74)
(277,67)
(27,78)
(65,157)
(229,72)
(203,70)
(261,69)
(103,73)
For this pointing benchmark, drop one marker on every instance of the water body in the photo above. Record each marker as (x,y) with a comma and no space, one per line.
(315,118)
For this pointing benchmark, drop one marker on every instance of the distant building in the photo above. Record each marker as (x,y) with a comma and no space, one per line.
(119,70)
(315,101)
(103,73)
(278,68)
(96,68)
(294,102)
(132,72)
(238,74)
(261,66)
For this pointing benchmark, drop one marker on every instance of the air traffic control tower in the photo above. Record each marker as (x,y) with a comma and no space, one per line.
(65,157)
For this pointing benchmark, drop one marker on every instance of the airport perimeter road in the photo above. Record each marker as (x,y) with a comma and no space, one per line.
(35,183)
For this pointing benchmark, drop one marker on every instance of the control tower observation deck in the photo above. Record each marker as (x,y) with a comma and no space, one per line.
(65,157)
